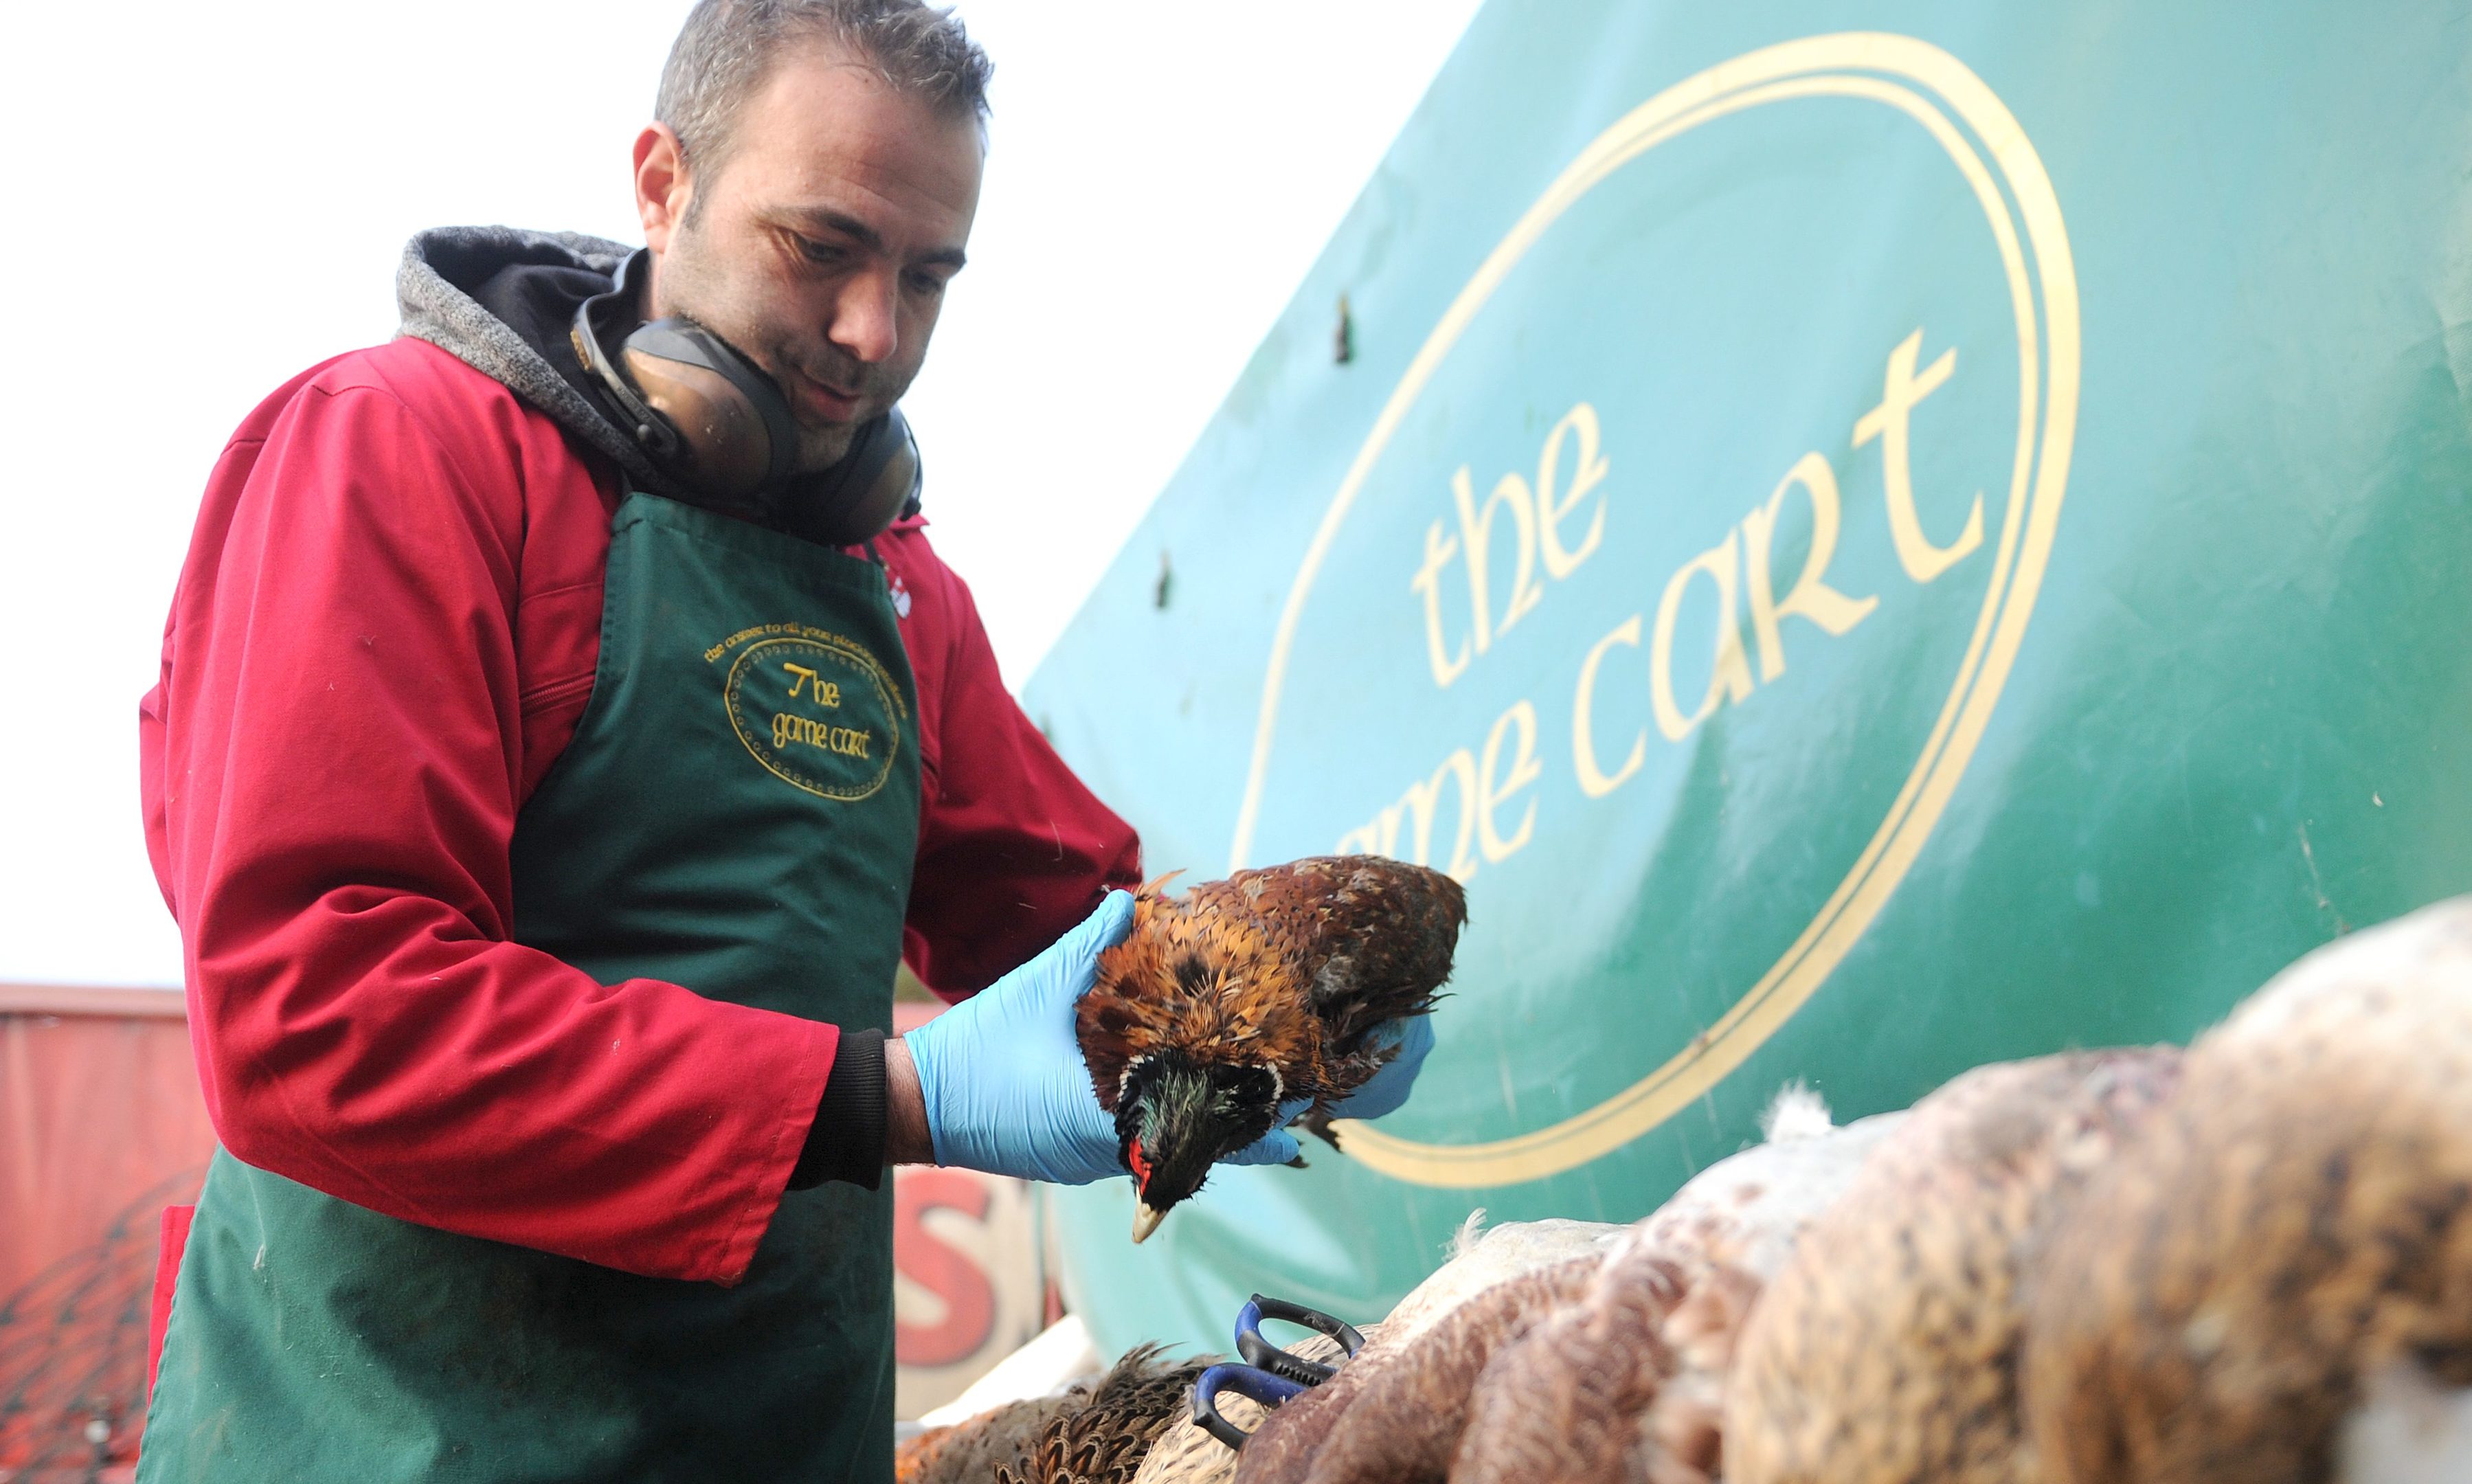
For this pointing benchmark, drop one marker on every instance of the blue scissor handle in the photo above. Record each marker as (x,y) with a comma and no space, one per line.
(1261,1352)
(1245,1381)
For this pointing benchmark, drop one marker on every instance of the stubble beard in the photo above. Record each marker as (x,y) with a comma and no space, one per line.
(822,445)
(692,285)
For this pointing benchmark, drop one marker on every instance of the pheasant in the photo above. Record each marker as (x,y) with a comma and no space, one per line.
(1243,995)
(1482,1262)
(1623,1385)
(2274,1284)
(969,1452)
(1397,1420)
(1886,1349)
(1613,1372)
(1104,1434)
(1188,1454)
(1626,1384)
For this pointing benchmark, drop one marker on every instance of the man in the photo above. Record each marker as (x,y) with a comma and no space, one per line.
(560,740)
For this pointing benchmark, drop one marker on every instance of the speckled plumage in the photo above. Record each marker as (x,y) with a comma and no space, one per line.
(1627,1383)
(1482,1260)
(1187,1455)
(2291,1238)
(970,1452)
(1887,1351)
(1395,1417)
(1748,1210)
(1621,1385)
(1289,968)
(1109,1429)
(1482,1257)
(1291,963)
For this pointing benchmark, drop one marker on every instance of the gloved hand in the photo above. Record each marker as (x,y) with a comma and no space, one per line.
(1382,1093)
(1388,1088)
(1002,1075)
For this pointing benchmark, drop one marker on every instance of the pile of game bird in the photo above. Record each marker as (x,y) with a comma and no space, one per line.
(2248,1262)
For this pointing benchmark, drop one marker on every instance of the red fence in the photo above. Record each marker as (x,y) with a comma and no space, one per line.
(102,1126)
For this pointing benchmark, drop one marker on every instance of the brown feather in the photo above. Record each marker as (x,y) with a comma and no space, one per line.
(1887,1349)
(1288,965)
(1624,1384)
(1103,1439)
(1396,1418)
(969,1452)
(2275,1284)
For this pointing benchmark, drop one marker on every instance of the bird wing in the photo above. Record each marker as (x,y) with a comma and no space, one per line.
(1371,938)
(1376,935)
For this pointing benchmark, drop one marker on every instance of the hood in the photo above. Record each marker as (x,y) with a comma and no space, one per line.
(500,299)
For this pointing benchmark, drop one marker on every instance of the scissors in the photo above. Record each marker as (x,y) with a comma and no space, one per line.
(1270,1374)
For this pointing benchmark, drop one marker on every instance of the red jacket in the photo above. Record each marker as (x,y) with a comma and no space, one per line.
(383,637)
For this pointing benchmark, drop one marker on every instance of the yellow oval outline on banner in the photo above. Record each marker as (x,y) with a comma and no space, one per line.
(1845,64)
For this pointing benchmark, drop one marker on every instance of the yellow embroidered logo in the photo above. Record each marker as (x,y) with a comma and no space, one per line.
(816,709)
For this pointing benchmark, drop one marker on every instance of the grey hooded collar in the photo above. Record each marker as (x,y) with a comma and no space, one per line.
(437,310)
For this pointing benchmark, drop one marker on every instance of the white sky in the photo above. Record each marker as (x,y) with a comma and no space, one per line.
(210,198)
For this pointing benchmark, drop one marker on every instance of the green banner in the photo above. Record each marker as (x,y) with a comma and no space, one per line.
(1874,540)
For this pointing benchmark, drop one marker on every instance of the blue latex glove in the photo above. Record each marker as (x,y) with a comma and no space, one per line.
(1382,1093)
(1388,1088)
(1002,1074)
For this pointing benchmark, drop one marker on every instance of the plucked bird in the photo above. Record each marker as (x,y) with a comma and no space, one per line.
(1260,993)
(2274,1284)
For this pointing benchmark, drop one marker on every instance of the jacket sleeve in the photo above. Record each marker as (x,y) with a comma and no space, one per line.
(1013,850)
(332,765)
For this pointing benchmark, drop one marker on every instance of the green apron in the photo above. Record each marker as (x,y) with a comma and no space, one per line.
(738,813)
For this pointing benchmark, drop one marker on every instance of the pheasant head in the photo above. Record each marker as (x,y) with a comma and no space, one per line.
(1196,1034)
(1175,1115)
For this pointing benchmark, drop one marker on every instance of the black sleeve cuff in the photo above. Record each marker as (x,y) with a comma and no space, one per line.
(847,1140)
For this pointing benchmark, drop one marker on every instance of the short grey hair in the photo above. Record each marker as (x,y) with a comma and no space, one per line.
(728,48)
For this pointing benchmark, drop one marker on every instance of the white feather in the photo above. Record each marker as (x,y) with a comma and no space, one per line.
(1796,1112)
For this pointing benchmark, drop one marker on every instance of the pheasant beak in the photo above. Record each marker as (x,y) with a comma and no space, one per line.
(1146,1216)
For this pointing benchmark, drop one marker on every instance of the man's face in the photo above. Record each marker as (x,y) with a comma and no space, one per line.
(822,245)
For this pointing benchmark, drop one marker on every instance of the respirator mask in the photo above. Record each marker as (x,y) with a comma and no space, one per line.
(710,420)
